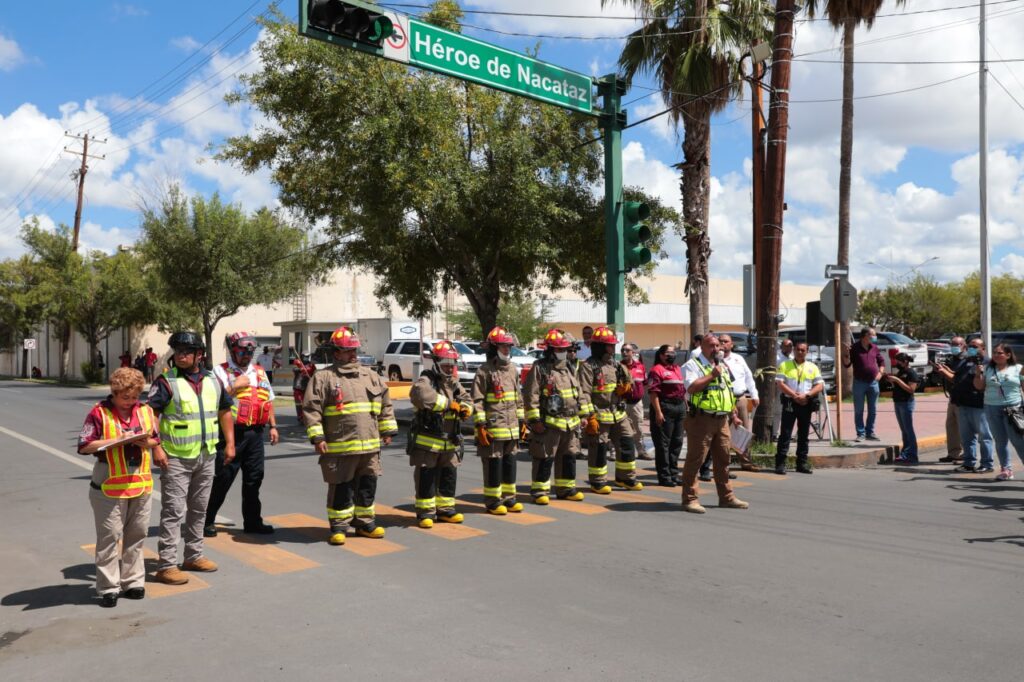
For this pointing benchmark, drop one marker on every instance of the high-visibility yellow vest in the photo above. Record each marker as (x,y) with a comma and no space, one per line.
(801,378)
(121,482)
(717,396)
(190,420)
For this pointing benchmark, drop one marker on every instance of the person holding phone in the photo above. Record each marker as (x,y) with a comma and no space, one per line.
(122,434)
(904,383)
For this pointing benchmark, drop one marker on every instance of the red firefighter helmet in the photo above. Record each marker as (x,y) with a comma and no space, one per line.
(557,339)
(500,335)
(345,338)
(444,350)
(604,335)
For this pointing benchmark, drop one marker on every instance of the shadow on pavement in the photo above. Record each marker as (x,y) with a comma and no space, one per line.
(1004,539)
(995,503)
(57,595)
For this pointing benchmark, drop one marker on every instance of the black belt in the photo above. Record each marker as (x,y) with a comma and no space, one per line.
(672,401)
(704,413)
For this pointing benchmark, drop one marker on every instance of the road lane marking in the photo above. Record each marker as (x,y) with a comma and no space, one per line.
(584,508)
(631,497)
(155,590)
(10,390)
(318,529)
(407,519)
(258,553)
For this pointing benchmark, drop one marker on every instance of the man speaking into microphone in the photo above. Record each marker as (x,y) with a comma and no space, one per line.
(712,407)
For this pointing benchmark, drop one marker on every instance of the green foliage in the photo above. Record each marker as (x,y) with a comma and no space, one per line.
(204,260)
(523,315)
(924,309)
(427,181)
(22,309)
(92,374)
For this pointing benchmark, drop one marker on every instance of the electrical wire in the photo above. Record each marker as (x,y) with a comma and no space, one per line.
(1008,93)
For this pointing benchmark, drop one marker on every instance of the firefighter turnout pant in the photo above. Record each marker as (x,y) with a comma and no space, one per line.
(249,458)
(621,433)
(435,475)
(351,489)
(554,449)
(499,463)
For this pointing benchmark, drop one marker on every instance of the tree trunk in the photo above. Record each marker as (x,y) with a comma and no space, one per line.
(208,337)
(485,305)
(24,361)
(845,181)
(65,351)
(695,187)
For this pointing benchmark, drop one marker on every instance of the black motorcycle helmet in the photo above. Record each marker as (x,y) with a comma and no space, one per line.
(186,341)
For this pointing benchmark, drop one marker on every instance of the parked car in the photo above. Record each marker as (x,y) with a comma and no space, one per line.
(1014,339)
(893,343)
(400,355)
(822,356)
(324,357)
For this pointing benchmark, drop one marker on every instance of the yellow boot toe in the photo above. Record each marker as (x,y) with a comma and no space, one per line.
(337,539)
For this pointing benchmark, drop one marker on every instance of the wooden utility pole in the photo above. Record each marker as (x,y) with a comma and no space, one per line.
(80,177)
(757,131)
(771,228)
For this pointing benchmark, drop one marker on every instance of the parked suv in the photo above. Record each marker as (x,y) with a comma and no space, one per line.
(822,356)
(400,355)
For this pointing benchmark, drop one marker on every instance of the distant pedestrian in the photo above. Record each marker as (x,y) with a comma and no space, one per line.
(801,385)
(121,485)
(635,399)
(975,433)
(266,361)
(745,388)
(1001,381)
(866,359)
(126,360)
(957,349)
(904,383)
(150,358)
(584,352)
(668,410)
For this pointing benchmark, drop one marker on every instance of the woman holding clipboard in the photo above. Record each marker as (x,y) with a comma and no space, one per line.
(122,434)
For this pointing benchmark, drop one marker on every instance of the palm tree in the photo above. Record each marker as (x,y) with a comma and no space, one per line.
(693,51)
(846,15)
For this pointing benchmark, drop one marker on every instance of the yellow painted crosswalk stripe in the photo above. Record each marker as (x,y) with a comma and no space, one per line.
(633,497)
(584,508)
(155,590)
(403,518)
(318,529)
(258,553)
(520,519)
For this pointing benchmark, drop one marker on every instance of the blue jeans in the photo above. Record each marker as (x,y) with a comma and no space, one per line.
(974,429)
(905,418)
(862,389)
(1003,434)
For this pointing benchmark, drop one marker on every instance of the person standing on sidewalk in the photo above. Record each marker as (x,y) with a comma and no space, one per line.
(712,408)
(744,388)
(866,359)
(121,487)
(904,384)
(668,410)
(800,383)
(1001,381)
(253,410)
(954,450)
(975,433)
(194,412)
(635,399)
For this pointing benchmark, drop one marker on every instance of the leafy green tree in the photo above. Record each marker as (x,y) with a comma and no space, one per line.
(523,315)
(202,263)
(429,182)
(693,49)
(22,310)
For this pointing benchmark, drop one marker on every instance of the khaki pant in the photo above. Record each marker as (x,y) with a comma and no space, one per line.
(954,448)
(554,449)
(635,414)
(185,490)
(705,433)
(124,521)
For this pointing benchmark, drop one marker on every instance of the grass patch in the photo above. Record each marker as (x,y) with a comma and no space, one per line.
(762,447)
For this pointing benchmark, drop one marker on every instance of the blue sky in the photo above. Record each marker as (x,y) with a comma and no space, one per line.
(139,75)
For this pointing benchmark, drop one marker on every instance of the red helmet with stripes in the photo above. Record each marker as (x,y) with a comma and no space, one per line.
(557,339)
(344,338)
(444,350)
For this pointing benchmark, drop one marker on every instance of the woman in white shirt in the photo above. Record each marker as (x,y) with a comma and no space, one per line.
(1001,381)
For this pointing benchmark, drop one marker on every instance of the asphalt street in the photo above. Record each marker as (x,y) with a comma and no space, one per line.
(863,574)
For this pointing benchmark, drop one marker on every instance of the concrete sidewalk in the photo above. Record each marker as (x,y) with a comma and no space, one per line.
(929,424)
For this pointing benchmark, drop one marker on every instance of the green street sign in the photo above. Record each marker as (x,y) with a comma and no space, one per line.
(428,47)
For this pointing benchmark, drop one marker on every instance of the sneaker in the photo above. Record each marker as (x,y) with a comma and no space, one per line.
(210,530)
(965,469)
(859,438)
(872,436)
(984,470)
(1005,474)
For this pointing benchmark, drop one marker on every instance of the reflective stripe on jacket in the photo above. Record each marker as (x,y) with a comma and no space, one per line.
(189,421)
(599,380)
(434,393)
(546,378)
(121,481)
(498,399)
(717,397)
(348,406)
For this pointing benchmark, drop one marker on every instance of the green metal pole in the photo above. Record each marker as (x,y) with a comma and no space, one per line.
(612,121)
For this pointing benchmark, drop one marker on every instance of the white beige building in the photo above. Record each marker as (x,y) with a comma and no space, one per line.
(349,297)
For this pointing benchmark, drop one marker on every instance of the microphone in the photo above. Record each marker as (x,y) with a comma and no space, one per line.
(719,356)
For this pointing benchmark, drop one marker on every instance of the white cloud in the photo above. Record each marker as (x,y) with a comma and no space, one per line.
(616,17)
(186,43)
(11,55)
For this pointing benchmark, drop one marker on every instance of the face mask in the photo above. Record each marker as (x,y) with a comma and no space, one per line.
(670,359)
(561,355)
(504,357)
(972,351)
(874,339)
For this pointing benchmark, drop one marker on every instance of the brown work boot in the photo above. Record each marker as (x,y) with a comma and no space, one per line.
(202,564)
(750,467)
(694,507)
(733,503)
(171,576)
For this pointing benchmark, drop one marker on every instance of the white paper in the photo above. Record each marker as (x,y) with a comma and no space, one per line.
(740,437)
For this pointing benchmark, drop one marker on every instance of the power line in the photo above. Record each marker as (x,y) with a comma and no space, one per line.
(1008,93)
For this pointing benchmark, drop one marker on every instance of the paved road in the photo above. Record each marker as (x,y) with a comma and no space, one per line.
(847,574)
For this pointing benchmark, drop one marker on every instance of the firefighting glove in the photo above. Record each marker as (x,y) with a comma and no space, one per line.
(593,426)
(623,389)
(483,436)
(465,410)
(524,430)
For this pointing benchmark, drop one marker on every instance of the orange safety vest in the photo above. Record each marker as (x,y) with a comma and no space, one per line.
(252,403)
(122,483)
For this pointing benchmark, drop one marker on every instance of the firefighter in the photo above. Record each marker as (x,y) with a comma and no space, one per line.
(604,383)
(302,372)
(500,421)
(551,398)
(348,415)
(253,410)
(435,439)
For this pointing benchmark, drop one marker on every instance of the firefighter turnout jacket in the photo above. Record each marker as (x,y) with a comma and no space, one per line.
(437,424)
(349,407)
(551,395)
(498,399)
(602,385)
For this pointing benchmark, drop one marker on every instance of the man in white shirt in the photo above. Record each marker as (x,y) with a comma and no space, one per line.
(745,388)
(584,352)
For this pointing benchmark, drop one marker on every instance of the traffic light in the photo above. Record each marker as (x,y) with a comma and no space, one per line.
(350,20)
(635,233)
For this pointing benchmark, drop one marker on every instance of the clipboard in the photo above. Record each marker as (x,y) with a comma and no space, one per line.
(124,439)
(740,438)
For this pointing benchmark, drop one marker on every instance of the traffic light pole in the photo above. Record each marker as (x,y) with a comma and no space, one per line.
(611,89)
